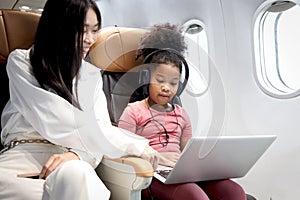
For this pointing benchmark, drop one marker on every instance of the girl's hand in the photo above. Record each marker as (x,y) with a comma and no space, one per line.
(55,161)
(168,158)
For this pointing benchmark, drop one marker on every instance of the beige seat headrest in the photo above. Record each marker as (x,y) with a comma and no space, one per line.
(115,49)
(17,30)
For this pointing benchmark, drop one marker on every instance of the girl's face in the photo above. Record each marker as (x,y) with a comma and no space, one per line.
(163,83)
(91,28)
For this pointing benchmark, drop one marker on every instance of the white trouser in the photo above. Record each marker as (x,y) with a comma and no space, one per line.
(73,180)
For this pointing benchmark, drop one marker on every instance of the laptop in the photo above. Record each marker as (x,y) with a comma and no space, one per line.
(212,158)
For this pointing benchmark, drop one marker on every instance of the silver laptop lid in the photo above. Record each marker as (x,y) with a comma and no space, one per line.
(222,157)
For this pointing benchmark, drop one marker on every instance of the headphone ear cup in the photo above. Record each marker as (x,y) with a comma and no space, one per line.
(180,88)
(144,77)
(144,80)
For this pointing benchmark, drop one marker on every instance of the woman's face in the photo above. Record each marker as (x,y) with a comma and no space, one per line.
(163,83)
(91,28)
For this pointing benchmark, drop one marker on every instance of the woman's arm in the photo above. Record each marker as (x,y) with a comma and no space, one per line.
(60,122)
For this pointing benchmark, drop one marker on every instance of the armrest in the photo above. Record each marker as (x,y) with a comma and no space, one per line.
(125,177)
(141,167)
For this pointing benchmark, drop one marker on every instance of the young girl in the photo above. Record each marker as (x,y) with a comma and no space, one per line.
(56,125)
(167,126)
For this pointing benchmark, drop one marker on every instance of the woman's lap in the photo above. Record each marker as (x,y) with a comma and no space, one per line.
(76,176)
(16,162)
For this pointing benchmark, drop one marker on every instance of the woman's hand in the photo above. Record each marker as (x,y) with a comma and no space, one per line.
(151,156)
(55,161)
(168,158)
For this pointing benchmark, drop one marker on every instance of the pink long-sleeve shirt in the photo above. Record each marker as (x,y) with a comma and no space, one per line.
(157,126)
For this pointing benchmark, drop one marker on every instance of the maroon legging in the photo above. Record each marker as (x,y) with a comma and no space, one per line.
(208,190)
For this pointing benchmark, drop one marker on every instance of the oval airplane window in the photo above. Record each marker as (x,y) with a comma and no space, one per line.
(204,96)
(197,57)
(277,47)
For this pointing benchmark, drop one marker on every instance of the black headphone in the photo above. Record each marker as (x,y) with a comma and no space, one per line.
(167,136)
(164,142)
(144,78)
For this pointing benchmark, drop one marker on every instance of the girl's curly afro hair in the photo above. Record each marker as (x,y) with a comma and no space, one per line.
(161,36)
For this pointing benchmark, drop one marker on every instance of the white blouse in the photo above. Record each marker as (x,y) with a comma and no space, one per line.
(34,113)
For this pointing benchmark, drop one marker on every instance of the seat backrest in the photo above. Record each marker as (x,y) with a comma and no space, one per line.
(17,30)
(115,54)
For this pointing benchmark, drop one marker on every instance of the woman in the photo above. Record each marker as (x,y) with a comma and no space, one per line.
(53,137)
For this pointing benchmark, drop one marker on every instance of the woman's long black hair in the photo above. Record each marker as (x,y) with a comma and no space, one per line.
(56,56)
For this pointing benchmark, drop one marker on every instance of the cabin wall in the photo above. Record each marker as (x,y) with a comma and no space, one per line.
(248,111)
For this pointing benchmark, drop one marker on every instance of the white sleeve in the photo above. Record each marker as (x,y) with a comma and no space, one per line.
(60,122)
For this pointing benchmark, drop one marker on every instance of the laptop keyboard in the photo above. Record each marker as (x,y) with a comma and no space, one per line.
(164,173)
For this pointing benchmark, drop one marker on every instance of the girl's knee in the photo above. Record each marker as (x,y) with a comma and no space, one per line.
(189,191)
(224,189)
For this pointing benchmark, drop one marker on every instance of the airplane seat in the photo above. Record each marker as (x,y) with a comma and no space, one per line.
(17,30)
(114,54)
